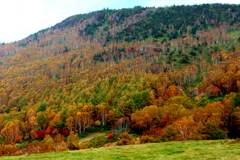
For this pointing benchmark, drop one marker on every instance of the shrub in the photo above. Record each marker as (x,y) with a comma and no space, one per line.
(73,141)
(146,139)
(170,134)
(154,132)
(212,131)
(21,145)
(98,141)
(63,132)
(18,139)
(97,123)
(219,134)
(36,141)
(58,138)
(48,144)
(110,135)
(85,145)
(63,147)
(2,140)
(6,150)
(125,139)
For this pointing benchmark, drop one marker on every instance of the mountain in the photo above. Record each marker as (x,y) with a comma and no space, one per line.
(155,67)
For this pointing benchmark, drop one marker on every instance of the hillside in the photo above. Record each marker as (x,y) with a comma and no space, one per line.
(170,73)
(169,150)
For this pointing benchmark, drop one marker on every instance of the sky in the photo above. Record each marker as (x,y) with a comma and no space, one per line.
(20,18)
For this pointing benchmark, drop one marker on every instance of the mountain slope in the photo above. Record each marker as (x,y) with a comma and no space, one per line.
(109,64)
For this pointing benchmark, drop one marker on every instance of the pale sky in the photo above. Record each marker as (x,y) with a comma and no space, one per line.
(20,18)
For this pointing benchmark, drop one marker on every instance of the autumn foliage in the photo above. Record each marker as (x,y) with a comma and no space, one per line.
(147,71)
(110,135)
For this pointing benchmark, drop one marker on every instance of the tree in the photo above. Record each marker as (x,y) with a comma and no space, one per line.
(70,123)
(212,131)
(42,121)
(73,141)
(145,118)
(175,111)
(102,112)
(188,129)
(86,120)
(56,120)
(200,116)
(11,132)
(140,100)
(31,119)
(202,100)
(236,100)
(121,126)
(113,116)
(172,91)
(185,101)
(215,112)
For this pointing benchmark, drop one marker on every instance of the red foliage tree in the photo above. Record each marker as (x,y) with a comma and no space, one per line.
(63,132)
(164,121)
(18,139)
(40,134)
(49,130)
(154,132)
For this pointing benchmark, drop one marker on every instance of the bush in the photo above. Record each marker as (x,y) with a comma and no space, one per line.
(213,132)
(219,134)
(170,134)
(2,140)
(21,145)
(85,145)
(97,123)
(18,139)
(110,135)
(154,132)
(6,150)
(48,144)
(98,141)
(36,141)
(63,147)
(58,138)
(146,139)
(72,141)
(125,139)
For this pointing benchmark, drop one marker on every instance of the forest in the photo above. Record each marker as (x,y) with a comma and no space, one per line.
(139,75)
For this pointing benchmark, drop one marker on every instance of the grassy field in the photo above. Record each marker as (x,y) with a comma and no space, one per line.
(234,34)
(219,149)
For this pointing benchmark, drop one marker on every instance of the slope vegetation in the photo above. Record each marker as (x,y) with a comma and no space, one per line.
(169,73)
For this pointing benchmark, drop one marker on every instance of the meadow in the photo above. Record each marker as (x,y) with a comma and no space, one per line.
(204,149)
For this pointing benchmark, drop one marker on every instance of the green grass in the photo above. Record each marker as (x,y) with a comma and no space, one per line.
(234,34)
(218,149)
